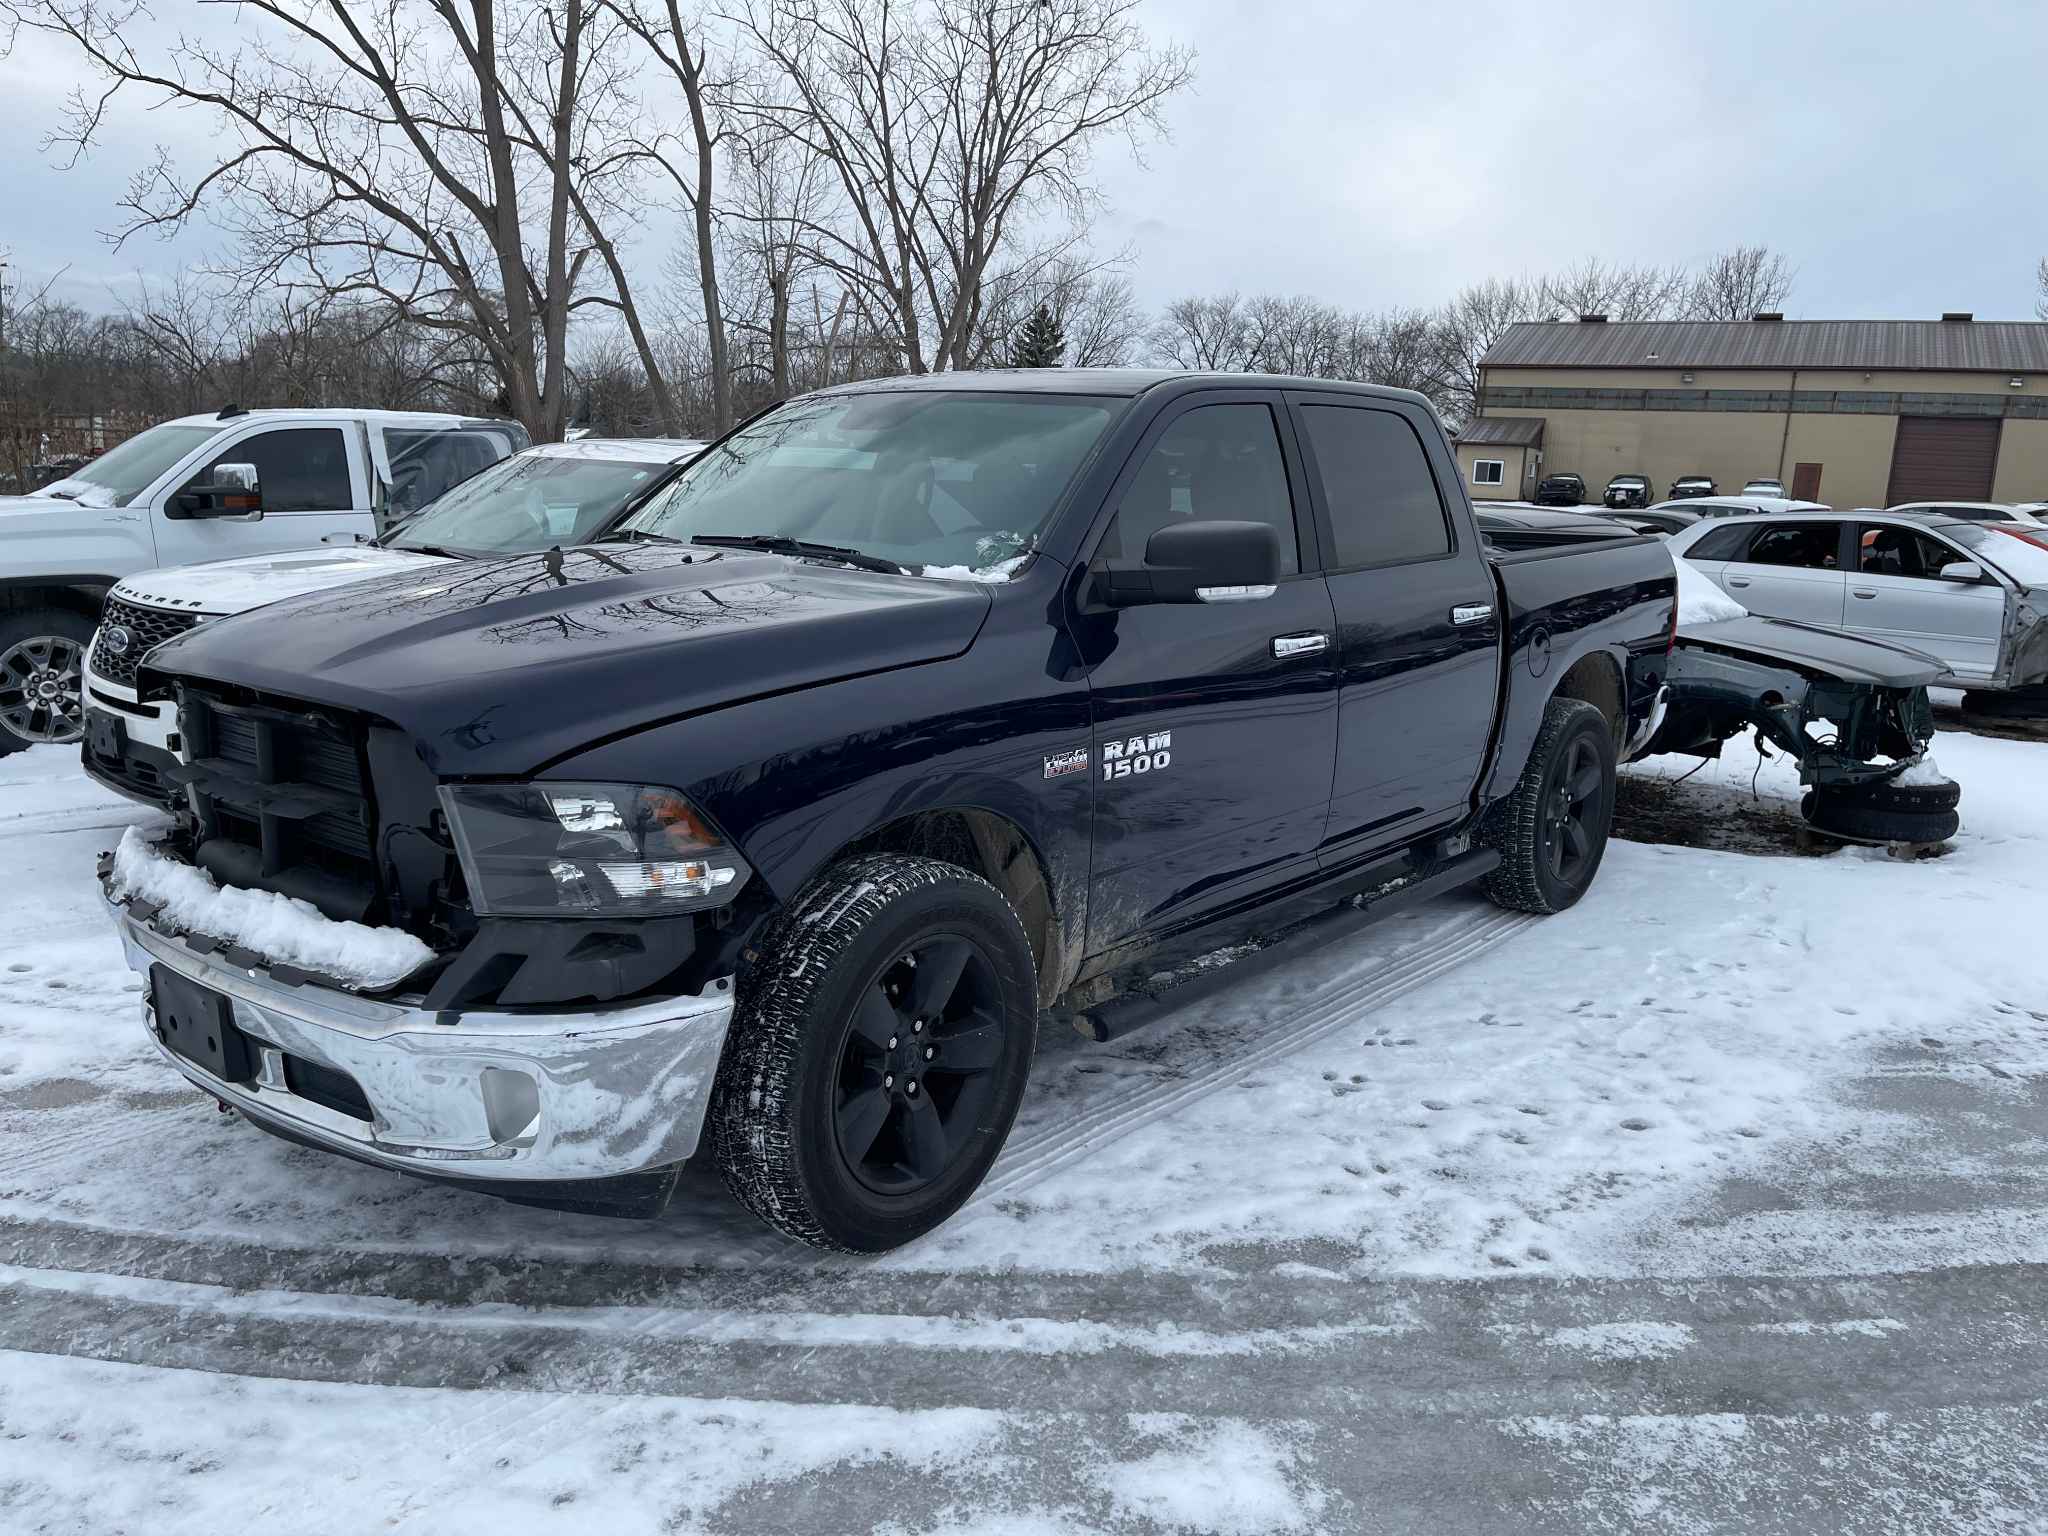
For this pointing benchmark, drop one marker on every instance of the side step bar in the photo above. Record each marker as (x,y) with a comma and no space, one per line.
(1127,1011)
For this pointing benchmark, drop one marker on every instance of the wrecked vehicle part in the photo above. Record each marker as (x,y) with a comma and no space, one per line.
(1850,712)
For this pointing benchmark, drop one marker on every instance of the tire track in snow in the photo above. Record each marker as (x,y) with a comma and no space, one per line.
(1031,1159)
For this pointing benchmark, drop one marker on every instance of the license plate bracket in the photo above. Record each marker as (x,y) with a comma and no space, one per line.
(198,1023)
(106,734)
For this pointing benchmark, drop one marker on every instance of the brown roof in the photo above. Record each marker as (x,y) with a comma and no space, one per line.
(1522,431)
(1998,346)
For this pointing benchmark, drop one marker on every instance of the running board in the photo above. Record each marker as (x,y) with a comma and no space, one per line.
(1129,1010)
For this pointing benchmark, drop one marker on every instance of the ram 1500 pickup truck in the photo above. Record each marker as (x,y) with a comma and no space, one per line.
(202,488)
(910,712)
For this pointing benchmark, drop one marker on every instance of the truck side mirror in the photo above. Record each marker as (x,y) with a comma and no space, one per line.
(1963,570)
(234,494)
(1199,562)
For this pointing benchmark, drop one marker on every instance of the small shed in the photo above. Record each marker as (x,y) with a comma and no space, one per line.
(1500,457)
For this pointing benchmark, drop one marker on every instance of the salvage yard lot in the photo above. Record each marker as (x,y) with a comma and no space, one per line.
(1716,1201)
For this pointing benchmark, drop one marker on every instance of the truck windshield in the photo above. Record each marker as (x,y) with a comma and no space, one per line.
(527,503)
(950,482)
(122,473)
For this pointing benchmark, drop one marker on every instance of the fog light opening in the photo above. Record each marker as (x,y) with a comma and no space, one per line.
(511,1105)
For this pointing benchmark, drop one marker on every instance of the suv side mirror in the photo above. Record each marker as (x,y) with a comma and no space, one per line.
(234,494)
(1200,562)
(1963,570)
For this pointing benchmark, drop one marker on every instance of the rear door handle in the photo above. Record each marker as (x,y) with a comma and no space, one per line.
(1300,645)
(1471,613)
(1861,592)
(1738,581)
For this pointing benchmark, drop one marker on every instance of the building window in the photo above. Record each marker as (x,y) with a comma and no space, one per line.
(1489,471)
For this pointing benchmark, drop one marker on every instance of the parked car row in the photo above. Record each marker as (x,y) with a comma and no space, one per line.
(1626,491)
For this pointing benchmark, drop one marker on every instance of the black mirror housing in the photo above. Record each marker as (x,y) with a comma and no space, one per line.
(1196,562)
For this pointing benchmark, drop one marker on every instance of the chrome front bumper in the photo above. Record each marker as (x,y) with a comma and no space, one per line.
(517,1098)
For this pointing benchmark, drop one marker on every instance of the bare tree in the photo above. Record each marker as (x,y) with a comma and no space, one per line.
(449,160)
(1739,284)
(1468,327)
(1099,313)
(1618,291)
(1213,334)
(952,127)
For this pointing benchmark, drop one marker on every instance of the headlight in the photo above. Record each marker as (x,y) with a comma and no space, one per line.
(566,850)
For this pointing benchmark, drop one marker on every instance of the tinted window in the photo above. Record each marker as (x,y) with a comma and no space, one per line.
(1382,498)
(1216,462)
(298,469)
(1903,552)
(1721,544)
(1809,546)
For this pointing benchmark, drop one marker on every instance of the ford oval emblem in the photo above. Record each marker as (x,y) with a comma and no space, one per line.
(119,640)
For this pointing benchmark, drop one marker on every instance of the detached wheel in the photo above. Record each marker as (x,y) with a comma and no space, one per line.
(42,677)
(1552,830)
(879,1054)
(1854,818)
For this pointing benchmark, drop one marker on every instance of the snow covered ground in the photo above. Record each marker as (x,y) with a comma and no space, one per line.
(1716,1202)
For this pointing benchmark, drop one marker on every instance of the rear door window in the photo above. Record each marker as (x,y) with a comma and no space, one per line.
(1383,501)
(1805,546)
(1727,543)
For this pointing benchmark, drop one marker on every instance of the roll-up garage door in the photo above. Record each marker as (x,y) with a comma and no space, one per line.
(1943,458)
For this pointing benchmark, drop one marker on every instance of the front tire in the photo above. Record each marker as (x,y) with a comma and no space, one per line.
(881,1049)
(42,677)
(1552,829)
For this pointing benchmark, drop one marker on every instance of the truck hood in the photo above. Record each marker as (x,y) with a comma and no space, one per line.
(15,510)
(500,667)
(220,587)
(1848,657)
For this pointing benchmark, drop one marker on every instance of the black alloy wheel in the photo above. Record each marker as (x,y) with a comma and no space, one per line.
(1575,814)
(916,1068)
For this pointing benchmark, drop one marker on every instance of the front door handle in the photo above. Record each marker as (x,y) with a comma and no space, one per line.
(1738,581)
(1285,646)
(1861,592)
(1471,613)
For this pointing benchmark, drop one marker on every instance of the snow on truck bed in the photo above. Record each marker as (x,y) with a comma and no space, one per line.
(280,929)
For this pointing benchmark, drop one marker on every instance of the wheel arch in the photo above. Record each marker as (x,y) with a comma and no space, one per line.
(998,849)
(1596,679)
(84,595)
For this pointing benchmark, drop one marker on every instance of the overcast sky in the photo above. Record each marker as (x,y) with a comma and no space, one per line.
(1377,154)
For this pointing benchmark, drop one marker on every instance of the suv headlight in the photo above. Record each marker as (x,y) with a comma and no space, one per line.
(573,850)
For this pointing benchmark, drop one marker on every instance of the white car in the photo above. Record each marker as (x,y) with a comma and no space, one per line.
(1972,595)
(556,494)
(1763,488)
(1972,511)
(202,488)
(1737,506)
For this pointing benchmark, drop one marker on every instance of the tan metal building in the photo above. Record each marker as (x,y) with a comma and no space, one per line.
(1849,412)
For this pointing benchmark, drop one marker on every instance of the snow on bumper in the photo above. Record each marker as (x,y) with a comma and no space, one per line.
(483,1096)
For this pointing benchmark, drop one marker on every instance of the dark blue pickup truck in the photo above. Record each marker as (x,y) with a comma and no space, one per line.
(914,711)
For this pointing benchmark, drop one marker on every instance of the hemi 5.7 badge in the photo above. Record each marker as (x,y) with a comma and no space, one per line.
(1061,764)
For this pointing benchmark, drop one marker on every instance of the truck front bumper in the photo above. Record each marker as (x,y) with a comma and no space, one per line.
(518,1104)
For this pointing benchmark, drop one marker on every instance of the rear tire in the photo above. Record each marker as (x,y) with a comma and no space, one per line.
(42,677)
(1552,829)
(863,1094)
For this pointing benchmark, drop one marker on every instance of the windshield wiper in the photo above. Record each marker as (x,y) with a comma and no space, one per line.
(431,549)
(782,544)
(634,535)
(62,495)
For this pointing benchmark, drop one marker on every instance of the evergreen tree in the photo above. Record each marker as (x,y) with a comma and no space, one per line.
(1041,343)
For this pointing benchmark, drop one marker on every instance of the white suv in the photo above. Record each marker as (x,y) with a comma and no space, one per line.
(201,488)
